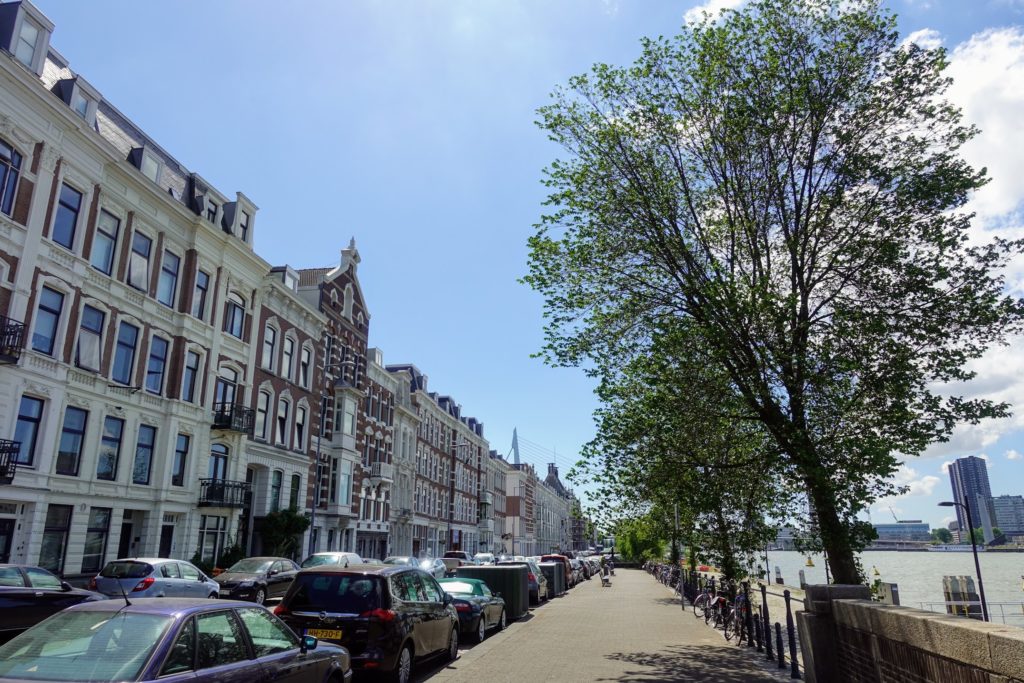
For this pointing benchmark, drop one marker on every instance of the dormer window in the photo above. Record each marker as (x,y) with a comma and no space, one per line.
(28,41)
(150,166)
(80,104)
(211,210)
(243,227)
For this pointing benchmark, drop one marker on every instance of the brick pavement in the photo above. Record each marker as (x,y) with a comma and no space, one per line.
(632,631)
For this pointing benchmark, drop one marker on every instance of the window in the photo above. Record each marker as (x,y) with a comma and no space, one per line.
(223,629)
(300,427)
(304,366)
(268,635)
(55,538)
(211,211)
(51,302)
(282,422)
(293,496)
(224,391)
(269,347)
(26,431)
(243,226)
(190,376)
(167,285)
(183,654)
(199,295)
(235,318)
(212,532)
(72,435)
(144,454)
(138,263)
(262,410)
(287,357)
(180,460)
(68,207)
(110,449)
(104,243)
(96,540)
(345,483)
(124,353)
(218,461)
(157,362)
(10,168)
(79,104)
(275,490)
(150,166)
(90,338)
(28,38)
(349,422)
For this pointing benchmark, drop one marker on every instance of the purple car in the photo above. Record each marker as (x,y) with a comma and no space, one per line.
(170,639)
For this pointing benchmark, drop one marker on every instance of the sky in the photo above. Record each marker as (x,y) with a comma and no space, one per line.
(409,125)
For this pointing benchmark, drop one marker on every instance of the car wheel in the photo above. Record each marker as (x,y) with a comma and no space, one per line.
(453,645)
(481,630)
(260,597)
(501,621)
(403,669)
(212,596)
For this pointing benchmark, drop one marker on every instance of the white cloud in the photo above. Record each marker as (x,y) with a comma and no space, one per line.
(916,484)
(1013,454)
(712,7)
(927,38)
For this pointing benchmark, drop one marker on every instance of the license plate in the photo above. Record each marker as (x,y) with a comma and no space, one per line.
(324,633)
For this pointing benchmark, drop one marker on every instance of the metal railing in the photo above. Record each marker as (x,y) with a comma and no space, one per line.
(1005,612)
(382,470)
(8,460)
(234,417)
(223,493)
(12,339)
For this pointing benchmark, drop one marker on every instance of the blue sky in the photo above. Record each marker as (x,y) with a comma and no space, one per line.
(409,126)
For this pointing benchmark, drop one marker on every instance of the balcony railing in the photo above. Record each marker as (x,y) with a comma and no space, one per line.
(233,417)
(382,471)
(486,525)
(221,493)
(403,513)
(8,460)
(486,498)
(12,340)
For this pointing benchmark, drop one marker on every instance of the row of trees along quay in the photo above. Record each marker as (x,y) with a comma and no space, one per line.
(756,240)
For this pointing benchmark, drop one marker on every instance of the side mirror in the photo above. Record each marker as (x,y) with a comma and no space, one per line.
(308,643)
(497,595)
(273,572)
(65,586)
(447,599)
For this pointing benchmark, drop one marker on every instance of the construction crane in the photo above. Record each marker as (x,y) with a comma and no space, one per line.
(898,521)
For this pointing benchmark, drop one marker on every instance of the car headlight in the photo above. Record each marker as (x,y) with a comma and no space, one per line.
(246,584)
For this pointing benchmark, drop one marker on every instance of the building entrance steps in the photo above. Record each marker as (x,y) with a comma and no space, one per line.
(632,631)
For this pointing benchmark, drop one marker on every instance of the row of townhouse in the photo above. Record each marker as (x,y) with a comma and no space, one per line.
(163,388)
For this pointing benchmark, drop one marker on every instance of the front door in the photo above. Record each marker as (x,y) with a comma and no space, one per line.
(6,535)
(166,539)
(124,546)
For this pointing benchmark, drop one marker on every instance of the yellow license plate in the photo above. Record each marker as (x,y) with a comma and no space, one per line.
(324,633)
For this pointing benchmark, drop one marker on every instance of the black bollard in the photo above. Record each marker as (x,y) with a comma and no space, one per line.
(748,618)
(757,632)
(794,666)
(766,624)
(778,645)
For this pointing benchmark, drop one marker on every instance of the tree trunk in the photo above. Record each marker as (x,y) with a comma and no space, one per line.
(835,536)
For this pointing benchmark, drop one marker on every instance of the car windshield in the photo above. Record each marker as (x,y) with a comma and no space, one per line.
(458,587)
(317,560)
(126,569)
(338,593)
(398,560)
(76,646)
(251,565)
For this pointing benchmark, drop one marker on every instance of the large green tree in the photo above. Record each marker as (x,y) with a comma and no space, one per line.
(788,180)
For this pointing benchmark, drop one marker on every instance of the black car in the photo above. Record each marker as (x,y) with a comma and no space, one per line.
(30,594)
(386,616)
(478,608)
(257,578)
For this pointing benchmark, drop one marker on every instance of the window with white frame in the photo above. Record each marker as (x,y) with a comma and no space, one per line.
(26,429)
(44,335)
(167,284)
(104,242)
(65,222)
(269,346)
(10,169)
(262,412)
(190,376)
(158,348)
(124,353)
(275,490)
(305,365)
(300,427)
(234,320)
(28,41)
(283,409)
(150,166)
(199,294)
(287,357)
(138,262)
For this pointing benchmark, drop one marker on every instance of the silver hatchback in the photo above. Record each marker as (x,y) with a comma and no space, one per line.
(154,577)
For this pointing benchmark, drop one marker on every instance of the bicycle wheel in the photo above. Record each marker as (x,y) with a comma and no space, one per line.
(697,603)
(727,627)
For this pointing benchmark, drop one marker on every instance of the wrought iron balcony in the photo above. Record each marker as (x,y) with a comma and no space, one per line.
(222,493)
(382,471)
(8,460)
(403,513)
(234,417)
(12,340)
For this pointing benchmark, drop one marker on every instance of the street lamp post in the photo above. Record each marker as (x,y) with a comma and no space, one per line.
(974,549)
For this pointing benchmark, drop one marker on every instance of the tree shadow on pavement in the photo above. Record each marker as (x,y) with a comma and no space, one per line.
(689,663)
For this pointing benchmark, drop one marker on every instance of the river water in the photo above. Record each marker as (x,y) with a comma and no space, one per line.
(918,574)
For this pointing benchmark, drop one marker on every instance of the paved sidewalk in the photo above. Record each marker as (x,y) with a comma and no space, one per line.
(632,631)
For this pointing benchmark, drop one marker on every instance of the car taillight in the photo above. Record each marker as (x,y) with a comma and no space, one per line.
(280,609)
(463,608)
(379,614)
(92,583)
(144,584)
(531,577)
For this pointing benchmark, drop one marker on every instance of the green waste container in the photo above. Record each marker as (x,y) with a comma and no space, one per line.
(511,581)
(554,572)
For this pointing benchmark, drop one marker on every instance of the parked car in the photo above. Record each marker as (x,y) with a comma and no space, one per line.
(538,583)
(579,574)
(569,576)
(479,610)
(484,558)
(461,555)
(257,578)
(331,557)
(153,577)
(173,640)
(387,617)
(30,594)
(433,566)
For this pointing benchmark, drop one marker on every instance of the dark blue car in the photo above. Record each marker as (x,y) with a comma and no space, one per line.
(173,640)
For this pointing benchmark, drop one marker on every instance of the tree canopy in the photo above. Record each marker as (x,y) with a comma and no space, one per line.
(785,185)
